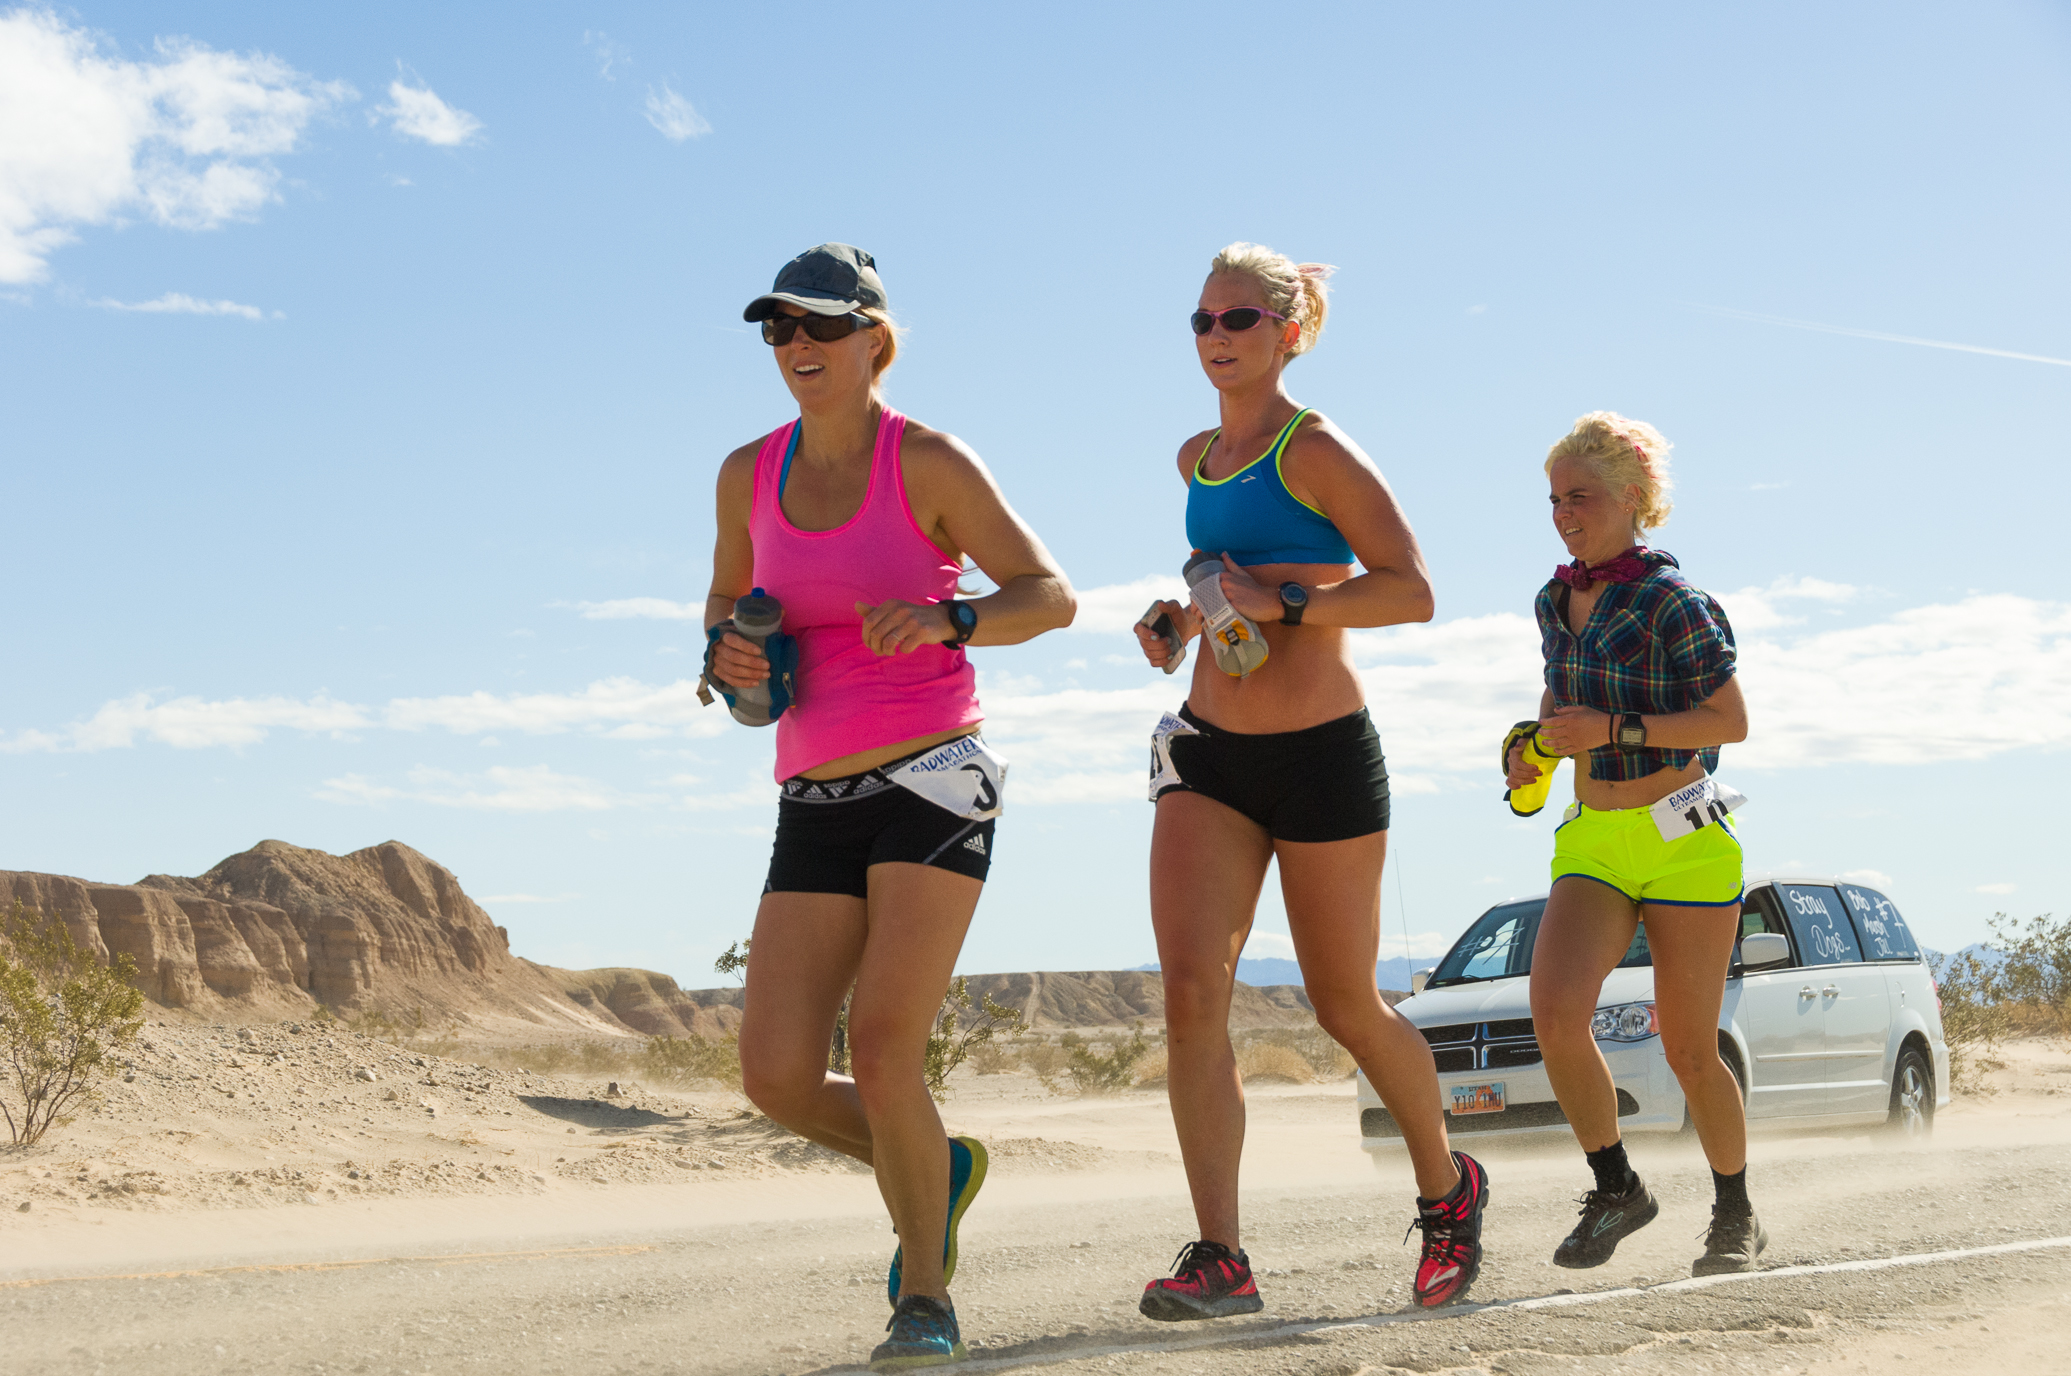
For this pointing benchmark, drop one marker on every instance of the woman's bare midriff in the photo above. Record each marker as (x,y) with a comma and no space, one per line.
(1611,795)
(1307,679)
(884,754)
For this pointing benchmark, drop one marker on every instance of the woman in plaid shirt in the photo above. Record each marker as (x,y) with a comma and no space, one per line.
(1639,679)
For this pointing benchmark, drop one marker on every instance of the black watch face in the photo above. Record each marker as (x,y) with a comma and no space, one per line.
(1294,594)
(965,617)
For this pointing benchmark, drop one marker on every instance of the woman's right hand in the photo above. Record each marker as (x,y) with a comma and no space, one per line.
(1156,648)
(1522,772)
(738,662)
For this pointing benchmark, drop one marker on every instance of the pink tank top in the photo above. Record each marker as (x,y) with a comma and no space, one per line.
(849,699)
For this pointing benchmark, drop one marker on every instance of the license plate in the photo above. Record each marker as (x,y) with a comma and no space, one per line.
(1478,1098)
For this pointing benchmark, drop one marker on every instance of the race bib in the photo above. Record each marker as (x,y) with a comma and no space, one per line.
(964,776)
(1694,807)
(1165,774)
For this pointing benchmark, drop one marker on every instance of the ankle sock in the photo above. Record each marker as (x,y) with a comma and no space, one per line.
(1614,1174)
(1732,1191)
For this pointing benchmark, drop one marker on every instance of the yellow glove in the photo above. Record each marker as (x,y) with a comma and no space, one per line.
(1527,801)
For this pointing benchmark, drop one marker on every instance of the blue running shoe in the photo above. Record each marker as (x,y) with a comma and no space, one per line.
(967,1163)
(924,1333)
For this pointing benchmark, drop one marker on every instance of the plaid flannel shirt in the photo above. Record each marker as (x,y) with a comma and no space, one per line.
(1656,646)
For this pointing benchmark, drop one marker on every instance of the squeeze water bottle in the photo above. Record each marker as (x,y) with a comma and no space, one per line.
(1234,637)
(757,617)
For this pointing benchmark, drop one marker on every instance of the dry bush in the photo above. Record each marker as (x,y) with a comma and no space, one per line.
(1325,1059)
(1154,1069)
(1045,1060)
(686,1060)
(959,1031)
(1264,1062)
(63,1013)
(1975,1018)
(994,1059)
(408,1030)
(1095,1072)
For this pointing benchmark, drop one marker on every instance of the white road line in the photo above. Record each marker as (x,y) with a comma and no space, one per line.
(1296,1330)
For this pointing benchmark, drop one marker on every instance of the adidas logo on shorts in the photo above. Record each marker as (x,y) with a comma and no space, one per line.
(976,843)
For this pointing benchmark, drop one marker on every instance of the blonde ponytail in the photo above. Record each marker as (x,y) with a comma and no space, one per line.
(1299,291)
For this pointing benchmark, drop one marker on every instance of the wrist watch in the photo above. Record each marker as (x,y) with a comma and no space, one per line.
(1294,600)
(1629,732)
(963,619)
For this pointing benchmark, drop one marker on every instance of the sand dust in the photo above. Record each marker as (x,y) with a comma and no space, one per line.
(274,1210)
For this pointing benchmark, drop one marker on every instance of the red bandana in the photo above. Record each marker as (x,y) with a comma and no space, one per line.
(1625,568)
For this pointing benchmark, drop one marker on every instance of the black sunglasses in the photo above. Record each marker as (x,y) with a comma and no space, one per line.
(779,329)
(1235,319)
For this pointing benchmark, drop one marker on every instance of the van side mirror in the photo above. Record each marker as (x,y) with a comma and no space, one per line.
(1759,949)
(1418,979)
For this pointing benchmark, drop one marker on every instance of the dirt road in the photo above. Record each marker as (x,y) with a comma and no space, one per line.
(784,1271)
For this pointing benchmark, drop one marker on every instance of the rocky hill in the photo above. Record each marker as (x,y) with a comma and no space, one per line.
(278,930)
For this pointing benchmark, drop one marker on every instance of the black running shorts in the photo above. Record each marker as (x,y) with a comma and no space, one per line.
(1327,783)
(831,831)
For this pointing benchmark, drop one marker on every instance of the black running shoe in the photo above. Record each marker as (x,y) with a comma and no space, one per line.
(1207,1282)
(1452,1236)
(1732,1243)
(1607,1219)
(924,1333)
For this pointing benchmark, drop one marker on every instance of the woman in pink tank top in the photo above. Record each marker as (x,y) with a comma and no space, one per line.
(858,521)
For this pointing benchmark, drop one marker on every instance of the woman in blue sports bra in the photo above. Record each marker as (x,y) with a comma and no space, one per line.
(1281,762)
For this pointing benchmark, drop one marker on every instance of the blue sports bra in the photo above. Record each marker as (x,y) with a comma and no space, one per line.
(1253,518)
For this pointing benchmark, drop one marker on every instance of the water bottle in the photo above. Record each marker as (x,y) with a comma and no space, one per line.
(1234,637)
(756,617)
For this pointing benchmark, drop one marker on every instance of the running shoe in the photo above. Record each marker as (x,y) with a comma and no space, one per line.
(1207,1282)
(967,1164)
(1452,1236)
(924,1333)
(1731,1243)
(1607,1219)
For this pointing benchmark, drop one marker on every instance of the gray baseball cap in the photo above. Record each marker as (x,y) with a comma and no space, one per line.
(832,279)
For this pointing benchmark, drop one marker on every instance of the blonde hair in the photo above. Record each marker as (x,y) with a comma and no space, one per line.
(1295,290)
(1623,454)
(878,315)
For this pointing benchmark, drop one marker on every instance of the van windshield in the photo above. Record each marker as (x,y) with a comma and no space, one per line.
(1499,945)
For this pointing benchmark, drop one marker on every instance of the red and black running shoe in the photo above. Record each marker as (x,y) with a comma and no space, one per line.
(1452,1236)
(1207,1282)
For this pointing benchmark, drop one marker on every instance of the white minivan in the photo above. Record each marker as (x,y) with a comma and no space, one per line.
(1830,1019)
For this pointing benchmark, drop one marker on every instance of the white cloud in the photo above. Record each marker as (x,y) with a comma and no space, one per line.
(177,303)
(1876,879)
(607,703)
(674,116)
(1113,609)
(608,51)
(639,609)
(1997,888)
(191,723)
(535,788)
(1762,609)
(416,112)
(184,140)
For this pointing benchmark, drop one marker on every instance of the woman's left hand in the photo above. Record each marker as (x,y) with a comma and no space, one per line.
(1248,595)
(895,627)
(1574,730)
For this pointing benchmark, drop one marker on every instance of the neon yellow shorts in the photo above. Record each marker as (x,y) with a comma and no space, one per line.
(1624,850)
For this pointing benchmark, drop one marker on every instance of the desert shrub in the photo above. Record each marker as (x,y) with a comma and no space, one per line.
(1045,1060)
(63,1012)
(2034,975)
(1153,1070)
(1976,1016)
(409,1031)
(682,1060)
(993,1059)
(1325,1059)
(1263,1062)
(959,1031)
(1103,1072)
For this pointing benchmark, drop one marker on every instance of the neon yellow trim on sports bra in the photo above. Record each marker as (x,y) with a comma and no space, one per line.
(1279,456)
(1273,452)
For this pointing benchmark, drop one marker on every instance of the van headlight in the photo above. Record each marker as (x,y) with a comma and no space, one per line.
(1625,1022)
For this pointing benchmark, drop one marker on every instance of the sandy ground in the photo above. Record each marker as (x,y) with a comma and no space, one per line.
(251,1204)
